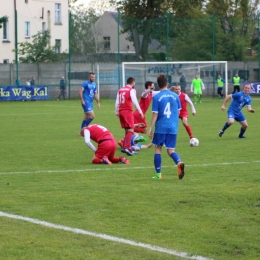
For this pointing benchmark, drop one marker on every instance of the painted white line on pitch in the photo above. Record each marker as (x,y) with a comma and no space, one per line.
(125,168)
(104,236)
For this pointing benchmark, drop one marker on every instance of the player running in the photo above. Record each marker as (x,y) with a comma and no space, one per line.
(184,99)
(240,99)
(106,149)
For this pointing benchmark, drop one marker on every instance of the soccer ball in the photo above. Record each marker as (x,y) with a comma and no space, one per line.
(194,142)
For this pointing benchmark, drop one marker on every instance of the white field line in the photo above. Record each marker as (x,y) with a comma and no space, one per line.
(104,236)
(125,168)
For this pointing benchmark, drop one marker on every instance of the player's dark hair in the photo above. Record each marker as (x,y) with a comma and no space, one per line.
(148,84)
(130,80)
(162,81)
(91,73)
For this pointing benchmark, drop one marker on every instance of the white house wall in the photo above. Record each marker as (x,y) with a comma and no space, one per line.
(36,12)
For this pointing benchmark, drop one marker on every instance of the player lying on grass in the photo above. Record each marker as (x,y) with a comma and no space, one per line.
(136,138)
(105,151)
(240,99)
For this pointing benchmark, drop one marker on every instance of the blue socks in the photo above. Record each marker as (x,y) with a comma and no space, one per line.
(86,122)
(225,127)
(175,157)
(157,162)
(242,131)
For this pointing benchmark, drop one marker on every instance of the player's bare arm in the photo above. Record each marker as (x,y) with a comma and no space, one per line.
(139,125)
(172,88)
(145,94)
(223,107)
(154,118)
(250,109)
(81,96)
(97,99)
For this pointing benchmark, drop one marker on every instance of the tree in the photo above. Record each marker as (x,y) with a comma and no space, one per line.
(236,23)
(191,27)
(39,50)
(140,21)
(84,37)
(3,19)
(146,21)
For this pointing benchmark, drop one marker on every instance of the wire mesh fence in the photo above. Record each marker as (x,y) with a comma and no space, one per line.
(104,42)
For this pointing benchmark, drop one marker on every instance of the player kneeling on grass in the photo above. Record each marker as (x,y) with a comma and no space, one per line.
(106,149)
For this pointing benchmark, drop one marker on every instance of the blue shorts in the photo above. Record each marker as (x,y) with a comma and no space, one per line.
(137,145)
(87,108)
(169,140)
(238,117)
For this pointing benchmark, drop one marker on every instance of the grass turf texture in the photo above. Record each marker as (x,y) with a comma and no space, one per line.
(46,174)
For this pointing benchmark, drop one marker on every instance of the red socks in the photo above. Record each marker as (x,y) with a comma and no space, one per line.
(189,131)
(127,142)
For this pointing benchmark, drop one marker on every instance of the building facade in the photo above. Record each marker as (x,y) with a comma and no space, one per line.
(108,27)
(32,16)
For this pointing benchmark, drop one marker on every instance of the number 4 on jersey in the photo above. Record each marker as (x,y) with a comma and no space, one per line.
(167,110)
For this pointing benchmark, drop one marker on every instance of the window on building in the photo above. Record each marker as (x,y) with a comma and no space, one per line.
(58,46)
(106,43)
(5,31)
(43,26)
(57,13)
(26,1)
(27,29)
(6,61)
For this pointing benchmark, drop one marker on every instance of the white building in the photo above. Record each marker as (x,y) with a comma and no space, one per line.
(33,16)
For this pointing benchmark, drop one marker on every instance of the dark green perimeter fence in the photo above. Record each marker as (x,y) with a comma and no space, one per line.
(114,38)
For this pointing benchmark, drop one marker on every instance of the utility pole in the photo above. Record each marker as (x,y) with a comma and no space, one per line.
(16,40)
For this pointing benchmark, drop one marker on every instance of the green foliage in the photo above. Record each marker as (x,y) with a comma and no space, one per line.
(157,56)
(139,19)
(192,24)
(3,20)
(46,174)
(39,51)
(84,37)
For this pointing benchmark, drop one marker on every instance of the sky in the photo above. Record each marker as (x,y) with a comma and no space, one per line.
(86,2)
(96,4)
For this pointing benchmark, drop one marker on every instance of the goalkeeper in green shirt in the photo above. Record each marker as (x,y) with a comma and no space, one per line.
(197,86)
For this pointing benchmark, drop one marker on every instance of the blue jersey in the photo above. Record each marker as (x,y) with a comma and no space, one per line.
(90,88)
(167,104)
(239,101)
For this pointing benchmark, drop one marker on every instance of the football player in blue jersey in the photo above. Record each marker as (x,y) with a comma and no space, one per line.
(165,118)
(87,93)
(240,99)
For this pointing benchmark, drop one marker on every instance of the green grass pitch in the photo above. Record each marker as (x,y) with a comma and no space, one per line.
(46,174)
